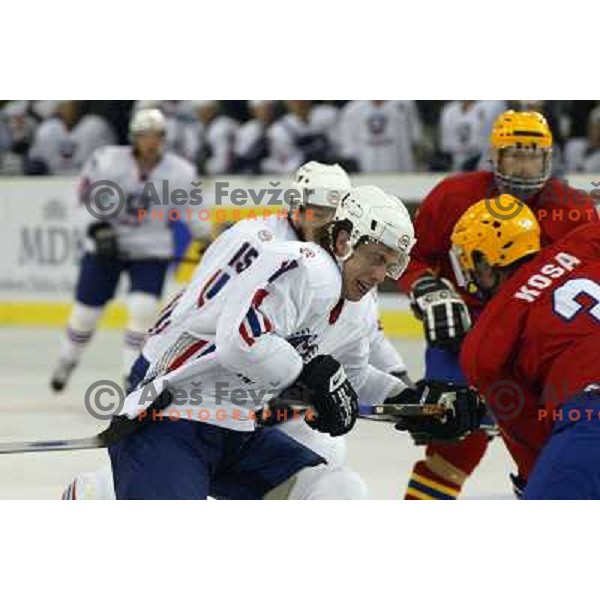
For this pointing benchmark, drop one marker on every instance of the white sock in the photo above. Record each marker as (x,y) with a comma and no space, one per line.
(142,310)
(80,329)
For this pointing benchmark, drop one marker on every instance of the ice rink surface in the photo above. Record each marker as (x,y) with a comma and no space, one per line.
(31,412)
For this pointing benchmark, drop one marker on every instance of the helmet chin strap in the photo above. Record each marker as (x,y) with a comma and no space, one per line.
(342,259)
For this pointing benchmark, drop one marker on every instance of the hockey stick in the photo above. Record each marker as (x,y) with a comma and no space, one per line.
(186,260)
(406,410)
(378,412)
(119,429)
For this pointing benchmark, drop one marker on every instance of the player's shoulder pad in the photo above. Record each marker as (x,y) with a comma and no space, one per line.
(258,230)
(560,192)
(469,179)
(320,272)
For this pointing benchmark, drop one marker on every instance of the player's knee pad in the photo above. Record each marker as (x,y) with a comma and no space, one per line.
(325,483)
(84,318)
(332,449)
(142,310)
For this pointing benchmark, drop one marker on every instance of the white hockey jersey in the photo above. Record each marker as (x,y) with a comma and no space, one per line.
(215,141)
(139,235)
(463,132)
(255,311)
(380,137)
(355,338)
(293,141)
(64,151)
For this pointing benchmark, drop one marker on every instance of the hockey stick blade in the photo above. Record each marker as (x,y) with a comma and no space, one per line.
(407,410)
(51,445)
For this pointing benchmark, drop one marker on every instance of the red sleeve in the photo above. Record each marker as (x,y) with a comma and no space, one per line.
(561,208)
(431,246)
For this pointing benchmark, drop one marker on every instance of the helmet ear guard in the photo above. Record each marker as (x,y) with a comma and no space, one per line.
(483,232)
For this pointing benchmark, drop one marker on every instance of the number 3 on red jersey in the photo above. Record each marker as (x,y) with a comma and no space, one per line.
(565,301)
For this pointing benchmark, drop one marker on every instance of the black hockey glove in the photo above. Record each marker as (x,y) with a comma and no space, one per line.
(444,313)
(463,406)
(326,387)
(403,377)
(104,237)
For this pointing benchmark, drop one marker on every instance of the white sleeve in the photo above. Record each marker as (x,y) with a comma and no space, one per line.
(105,135)
(246,137)
(377,386)
(416,127)
(41,145)
(372,385)
(383,355)
(256,318)
(348,129)
(190,141)
(89,174)
(283,157)
(446,138)
(221,138)
(186,176)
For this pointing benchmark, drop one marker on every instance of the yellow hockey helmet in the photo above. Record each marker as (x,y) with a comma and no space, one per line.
(514,129)
(527,133)
(503,229)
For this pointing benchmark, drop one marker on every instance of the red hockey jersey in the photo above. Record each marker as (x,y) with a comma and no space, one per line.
(558,208)
(537,342)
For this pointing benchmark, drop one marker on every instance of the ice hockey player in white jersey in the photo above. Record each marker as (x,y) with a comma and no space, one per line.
(305,133)
(248,328)
(64,142)
(381,135)
(209,138)
(251,143)
(355,334)
(118,185)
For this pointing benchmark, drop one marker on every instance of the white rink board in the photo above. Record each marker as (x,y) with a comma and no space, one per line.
(30,411)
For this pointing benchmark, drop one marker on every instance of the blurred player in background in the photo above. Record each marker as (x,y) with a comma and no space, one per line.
(381,136)
(251,140)
(535,348)
(304,133)
(354,335)
(521,149)
(126,242)
(65,141)
(209,139)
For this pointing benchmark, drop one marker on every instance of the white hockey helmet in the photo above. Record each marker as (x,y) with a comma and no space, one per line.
(374,216)
(147,120)
(321,184)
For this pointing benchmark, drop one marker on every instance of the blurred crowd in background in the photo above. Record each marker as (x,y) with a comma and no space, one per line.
(49,137)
